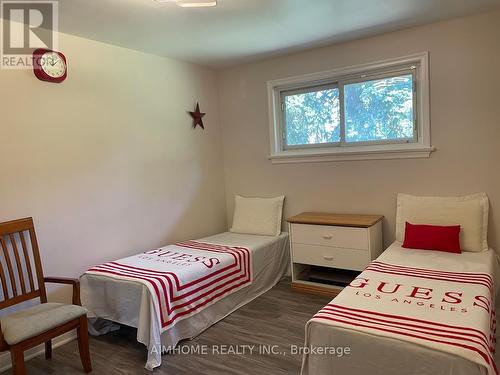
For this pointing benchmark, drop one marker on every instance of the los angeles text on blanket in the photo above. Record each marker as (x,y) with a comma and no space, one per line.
(184,278)
(449,311)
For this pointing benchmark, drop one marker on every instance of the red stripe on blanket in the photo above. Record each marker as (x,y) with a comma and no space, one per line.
(406,318)
(427,269)
(433,273)
(452,275)
(203,303)
(486,357)
(431,331)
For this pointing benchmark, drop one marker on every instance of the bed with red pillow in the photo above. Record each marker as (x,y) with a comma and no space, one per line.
(425,306)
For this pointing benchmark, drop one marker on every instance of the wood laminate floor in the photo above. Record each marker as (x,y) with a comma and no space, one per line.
(275,320)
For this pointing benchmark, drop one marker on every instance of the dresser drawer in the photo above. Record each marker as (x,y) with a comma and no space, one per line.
(323,235)
(333,257)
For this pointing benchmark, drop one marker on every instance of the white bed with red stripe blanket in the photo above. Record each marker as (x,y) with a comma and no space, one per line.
(410,312)
(177,291)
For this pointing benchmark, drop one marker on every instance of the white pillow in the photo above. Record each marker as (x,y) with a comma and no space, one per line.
(470,212)
(257,215)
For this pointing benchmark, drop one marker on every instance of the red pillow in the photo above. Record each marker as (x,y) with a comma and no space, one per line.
(432,237)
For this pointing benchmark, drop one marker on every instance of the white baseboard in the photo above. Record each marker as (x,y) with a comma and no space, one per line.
(6,364)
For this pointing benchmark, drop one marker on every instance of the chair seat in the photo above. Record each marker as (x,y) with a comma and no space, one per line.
(37,319)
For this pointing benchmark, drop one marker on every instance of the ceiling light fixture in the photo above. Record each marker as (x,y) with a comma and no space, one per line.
(191,3)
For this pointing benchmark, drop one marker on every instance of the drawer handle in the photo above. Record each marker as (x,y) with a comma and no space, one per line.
(327,257)
(327,237)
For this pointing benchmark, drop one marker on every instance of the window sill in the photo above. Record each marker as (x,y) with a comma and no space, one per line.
(315,156)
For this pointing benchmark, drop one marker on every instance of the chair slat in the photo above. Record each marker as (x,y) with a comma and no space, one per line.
(9,266)
(27,260)
(38,265)
(18,262)
(4,283)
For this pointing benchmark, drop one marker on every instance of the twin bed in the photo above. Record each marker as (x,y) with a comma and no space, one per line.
(114,293)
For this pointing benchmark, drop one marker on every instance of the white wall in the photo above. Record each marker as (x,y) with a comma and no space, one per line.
(107,162)
(465,126)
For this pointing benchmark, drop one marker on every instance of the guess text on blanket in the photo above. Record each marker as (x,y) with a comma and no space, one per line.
(411,294)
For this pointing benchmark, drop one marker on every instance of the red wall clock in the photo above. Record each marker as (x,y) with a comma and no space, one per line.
(49,66)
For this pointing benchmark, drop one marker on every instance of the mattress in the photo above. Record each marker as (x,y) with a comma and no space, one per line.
(128,303)
(374,354)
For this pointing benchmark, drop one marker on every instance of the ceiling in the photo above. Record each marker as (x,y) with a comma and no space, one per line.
(238,31)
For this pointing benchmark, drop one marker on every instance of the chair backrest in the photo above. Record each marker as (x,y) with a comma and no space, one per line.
(21,273)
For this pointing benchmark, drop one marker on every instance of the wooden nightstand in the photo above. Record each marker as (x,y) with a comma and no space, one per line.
(328,251)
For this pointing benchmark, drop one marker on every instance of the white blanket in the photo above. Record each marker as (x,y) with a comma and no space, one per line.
(446,306)
(183,278)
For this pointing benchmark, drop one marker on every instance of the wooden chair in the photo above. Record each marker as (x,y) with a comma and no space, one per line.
(42,322)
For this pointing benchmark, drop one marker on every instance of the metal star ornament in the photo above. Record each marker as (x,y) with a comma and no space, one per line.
(197,116)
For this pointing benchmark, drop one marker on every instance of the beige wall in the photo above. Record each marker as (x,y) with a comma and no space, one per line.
(465,126)
(107,162)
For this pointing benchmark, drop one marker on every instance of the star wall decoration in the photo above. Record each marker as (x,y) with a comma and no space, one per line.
(197,116)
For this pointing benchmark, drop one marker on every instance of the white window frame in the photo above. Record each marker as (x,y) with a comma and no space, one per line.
(417,147)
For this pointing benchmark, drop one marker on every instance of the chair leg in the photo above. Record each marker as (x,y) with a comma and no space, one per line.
(83,344)
(17,356)
(48,349)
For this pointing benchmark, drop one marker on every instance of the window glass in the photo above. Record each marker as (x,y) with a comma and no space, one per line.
(379,110)
(312,118)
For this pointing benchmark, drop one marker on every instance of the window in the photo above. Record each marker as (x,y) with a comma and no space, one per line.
(374,111)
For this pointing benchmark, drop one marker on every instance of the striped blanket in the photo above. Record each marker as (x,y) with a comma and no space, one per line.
(184,278)
(449,311)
